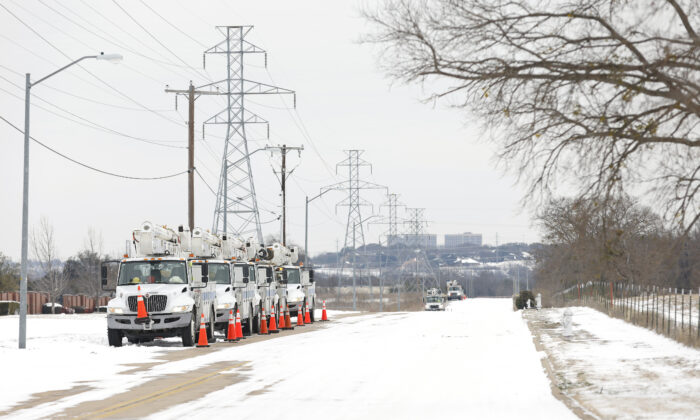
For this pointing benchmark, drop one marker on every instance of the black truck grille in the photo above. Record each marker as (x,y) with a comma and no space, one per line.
(154,303)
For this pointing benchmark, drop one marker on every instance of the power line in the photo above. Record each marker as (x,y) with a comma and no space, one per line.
(173,26)
(158,41)
(88,123)
(124,95)
(92,167)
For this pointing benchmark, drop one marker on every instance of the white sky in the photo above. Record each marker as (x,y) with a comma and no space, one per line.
(432,156)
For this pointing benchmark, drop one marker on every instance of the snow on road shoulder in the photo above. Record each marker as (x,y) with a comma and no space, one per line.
(62,351)
(476,360)
(619,370)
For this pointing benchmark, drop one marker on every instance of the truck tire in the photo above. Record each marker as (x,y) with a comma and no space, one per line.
(188,332)
(311,310)
(210,327)
(114,337)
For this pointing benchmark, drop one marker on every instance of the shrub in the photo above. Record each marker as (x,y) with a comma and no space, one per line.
(521,300)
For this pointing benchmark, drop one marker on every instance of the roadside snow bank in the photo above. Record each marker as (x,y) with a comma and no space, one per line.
(618,370)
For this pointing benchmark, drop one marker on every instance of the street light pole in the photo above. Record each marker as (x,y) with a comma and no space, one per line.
(306,225)
(25,192)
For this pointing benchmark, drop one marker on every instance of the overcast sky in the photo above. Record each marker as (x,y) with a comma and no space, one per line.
(433,156)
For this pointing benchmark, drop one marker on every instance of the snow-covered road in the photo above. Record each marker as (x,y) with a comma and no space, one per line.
(476,360)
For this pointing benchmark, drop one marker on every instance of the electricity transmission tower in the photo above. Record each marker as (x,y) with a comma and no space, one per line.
(391,235)
(354,231)
(236,208)
(417,241)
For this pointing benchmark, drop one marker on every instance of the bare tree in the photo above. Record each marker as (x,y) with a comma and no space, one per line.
(600,93)
(9,274)
(53,280)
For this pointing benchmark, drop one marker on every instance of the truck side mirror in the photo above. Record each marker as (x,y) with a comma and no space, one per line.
(311,276)
(268,274)
(104,275)
(284,276)
(205,273)
(246,273)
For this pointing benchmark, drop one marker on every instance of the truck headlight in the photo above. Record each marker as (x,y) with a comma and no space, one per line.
(182,308)
(115,310)
(223,306)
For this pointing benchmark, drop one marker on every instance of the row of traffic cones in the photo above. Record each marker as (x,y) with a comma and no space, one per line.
(235,330)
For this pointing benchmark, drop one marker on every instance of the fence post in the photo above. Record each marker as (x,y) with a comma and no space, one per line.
(697,327)
(675,311)
(611,297)
(682,310)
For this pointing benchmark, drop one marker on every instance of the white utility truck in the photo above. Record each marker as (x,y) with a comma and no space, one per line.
(233,292)
(175,289)
(454,290)
(301,290)
(274,259)
(434,300)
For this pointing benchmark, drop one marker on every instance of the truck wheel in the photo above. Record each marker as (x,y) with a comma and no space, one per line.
(188,332)
(210,328)
(311,310)
(114,337)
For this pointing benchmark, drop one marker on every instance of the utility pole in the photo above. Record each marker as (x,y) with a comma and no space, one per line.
(283,182)
(191,95)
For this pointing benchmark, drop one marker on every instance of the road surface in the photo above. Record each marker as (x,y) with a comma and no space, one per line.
(475,360)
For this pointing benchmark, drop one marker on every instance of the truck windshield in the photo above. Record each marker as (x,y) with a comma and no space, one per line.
(220,273)
(146,272)
(454,289)
(293,276)
(434,299)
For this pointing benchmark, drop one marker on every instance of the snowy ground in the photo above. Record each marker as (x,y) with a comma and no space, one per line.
(614,369)
(475,360)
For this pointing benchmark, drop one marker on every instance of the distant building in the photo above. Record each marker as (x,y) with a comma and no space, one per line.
(425,240)
(462,239)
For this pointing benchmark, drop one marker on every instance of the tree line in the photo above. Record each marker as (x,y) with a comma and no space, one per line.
(76,275)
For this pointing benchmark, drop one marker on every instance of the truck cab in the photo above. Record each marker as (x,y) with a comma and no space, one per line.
(267,285)
(454,290)
(245,288)
(301,290)
(175,290)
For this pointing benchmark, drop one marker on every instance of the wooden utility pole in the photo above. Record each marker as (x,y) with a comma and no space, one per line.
(191,94)
(283,181)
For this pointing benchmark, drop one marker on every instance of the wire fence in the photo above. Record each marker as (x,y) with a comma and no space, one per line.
(672,312)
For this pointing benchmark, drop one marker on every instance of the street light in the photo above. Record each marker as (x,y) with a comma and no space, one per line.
(113,58)
(306,224)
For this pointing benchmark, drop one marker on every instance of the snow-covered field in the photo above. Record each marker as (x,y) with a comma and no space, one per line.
(617,370)
(475,360)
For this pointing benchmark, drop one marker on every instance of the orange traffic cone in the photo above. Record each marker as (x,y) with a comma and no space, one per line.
(324,316)
(239,327)
(202,342)
(307,317)
(300,316)
(263,323)
(273,321)
(231,334)
(283,324)
(287,319)
(141,314)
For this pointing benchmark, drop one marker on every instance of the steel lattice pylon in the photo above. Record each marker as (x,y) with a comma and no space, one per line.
(236,208)
(354,231)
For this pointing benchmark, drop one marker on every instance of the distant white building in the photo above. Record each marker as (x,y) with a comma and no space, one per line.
(462,239)
(425,240)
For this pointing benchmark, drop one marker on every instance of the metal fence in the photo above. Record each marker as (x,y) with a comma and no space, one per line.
(672,312)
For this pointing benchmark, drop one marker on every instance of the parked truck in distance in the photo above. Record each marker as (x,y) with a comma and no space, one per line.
(454,290)
(434,300)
